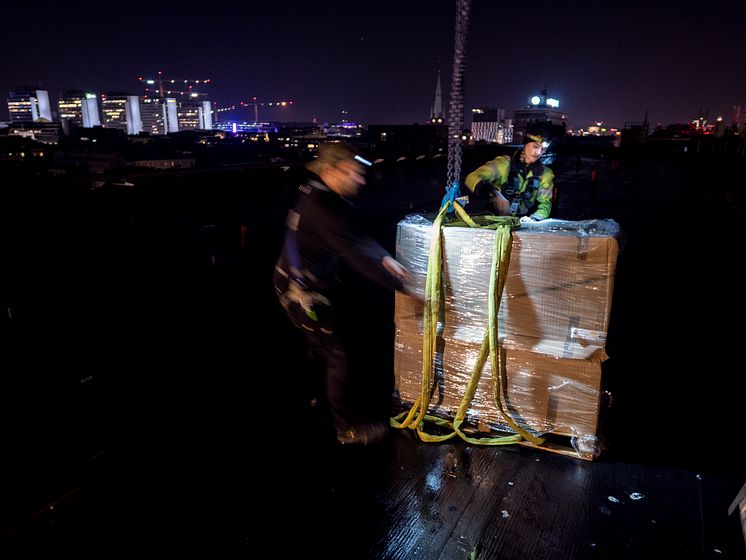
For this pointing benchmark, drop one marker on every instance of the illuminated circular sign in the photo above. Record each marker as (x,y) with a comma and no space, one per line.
(535,100)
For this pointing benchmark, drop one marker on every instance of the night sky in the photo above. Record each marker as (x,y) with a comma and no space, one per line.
(379,60)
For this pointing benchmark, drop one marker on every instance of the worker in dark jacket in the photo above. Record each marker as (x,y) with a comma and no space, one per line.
(518,186)
(322,235)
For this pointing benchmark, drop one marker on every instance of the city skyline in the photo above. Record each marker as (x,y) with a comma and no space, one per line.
(378,62)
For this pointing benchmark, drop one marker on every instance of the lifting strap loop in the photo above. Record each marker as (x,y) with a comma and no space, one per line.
(417,415)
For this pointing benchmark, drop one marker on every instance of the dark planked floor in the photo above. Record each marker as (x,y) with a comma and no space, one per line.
(403,499)
(186,427)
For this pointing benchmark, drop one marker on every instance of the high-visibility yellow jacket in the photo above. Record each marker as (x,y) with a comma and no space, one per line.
(528,188)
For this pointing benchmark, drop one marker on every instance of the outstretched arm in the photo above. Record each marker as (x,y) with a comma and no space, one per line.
(483,177)
(363,253)
(487,180)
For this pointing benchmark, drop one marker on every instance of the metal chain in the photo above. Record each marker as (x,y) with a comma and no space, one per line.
(456,109)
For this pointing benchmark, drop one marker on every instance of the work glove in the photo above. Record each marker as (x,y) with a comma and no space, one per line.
(452,193)
(529,219)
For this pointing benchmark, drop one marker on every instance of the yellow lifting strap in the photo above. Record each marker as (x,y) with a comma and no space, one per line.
(417,415)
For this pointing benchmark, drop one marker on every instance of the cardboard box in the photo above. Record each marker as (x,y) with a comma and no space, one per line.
(544,394)
(557,297)
(553,323)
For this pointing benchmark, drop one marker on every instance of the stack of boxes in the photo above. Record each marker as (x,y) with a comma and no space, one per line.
(553,322)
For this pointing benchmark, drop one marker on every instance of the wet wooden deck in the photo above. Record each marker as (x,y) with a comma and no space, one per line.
(306,497)
(191,431)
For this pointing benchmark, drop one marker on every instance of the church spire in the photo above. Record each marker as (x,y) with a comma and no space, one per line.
(436,110)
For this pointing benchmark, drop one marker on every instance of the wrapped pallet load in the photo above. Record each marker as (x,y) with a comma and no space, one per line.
(552,321)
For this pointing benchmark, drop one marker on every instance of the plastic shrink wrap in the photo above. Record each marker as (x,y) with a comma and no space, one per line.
(553,322)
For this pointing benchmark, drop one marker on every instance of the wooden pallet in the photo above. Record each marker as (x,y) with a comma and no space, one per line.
(589,449)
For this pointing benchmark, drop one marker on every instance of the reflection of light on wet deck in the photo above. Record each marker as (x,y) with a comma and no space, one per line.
(420,521)
(433,481)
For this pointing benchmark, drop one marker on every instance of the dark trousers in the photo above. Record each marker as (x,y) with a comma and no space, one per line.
(325,345)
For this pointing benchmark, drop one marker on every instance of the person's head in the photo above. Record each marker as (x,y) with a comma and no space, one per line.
(532,146)
(340,167)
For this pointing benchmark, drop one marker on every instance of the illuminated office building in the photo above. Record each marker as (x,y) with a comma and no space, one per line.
(132,111)
(89,108)
(205,116)
(171,114)
(29,105)
(70,107)
(159,115)
(152,115)
(122,111)
(490,125)
(194,114)
(114,110)
(188,114)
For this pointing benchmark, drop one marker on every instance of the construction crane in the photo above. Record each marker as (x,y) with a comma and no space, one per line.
(256,104)
(181,86)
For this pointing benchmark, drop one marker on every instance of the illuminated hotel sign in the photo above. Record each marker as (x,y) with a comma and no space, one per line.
(537,100)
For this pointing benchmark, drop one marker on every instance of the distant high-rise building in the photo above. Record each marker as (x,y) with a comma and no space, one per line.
(132,111)
(205,116)
(490,125)
(70,108)
(153,115)
(113,110)
(159,115)
(188,114)
(89,108)
(180,105)
(540,116)
(171,114)
(121,111)
(195,113)
(78,108)
(29,105)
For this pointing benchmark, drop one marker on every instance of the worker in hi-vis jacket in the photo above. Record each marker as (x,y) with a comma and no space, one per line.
(515,186)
